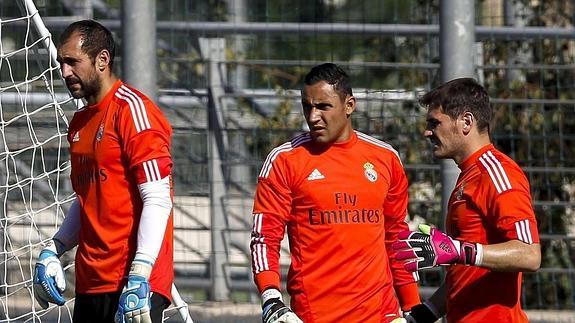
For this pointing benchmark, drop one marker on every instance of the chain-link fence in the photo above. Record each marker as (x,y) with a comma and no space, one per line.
(229,75)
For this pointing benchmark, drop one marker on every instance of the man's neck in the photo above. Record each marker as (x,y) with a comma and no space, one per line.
(472,146)
(106,85)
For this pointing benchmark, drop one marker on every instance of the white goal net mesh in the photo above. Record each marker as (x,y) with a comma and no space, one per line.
(34,164)
(34,167)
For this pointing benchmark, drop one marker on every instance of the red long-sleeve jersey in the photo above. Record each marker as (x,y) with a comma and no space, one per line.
(491,203)
(343,207)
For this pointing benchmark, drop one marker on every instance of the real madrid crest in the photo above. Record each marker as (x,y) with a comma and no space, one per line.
(100,132)
(459,193)
(369,172)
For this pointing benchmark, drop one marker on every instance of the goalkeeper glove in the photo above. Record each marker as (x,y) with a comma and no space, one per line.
(134,305)
(274,310)
(422,313)
(49,279)
(430,247)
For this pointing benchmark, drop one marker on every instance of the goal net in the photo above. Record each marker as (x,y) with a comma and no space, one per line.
(34,166)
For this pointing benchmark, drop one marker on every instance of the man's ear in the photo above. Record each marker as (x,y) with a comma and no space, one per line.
(103,60)
(349,105)
(468,121)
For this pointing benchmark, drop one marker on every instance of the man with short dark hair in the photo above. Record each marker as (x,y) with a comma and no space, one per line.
(491,229)
(121,172)
(343,197)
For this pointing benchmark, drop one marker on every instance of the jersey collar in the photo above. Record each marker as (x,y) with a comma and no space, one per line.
(471,160)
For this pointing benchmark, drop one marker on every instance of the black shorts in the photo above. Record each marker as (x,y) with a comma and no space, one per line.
(101,308)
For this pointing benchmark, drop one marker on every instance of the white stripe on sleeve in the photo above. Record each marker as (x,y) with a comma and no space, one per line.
(523,231)
(147,171)
(528,229)
(519,232)
(259,248)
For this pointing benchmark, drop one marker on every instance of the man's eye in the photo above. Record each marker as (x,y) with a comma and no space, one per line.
(432,124)
(306,107)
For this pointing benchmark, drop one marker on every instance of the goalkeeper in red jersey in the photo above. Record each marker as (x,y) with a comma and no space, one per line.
(342,196)
(121,220)
(491,229)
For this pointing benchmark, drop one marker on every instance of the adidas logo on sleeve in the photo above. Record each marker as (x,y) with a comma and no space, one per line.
(314,175)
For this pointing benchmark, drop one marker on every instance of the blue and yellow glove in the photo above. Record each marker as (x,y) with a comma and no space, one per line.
(134,303)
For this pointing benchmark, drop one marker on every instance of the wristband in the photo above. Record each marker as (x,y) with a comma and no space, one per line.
(479,255)
(271,293)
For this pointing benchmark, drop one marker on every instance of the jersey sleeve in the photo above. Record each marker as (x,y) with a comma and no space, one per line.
(508,205)
(272,205)
(145,135)
(513,216)
(395,211)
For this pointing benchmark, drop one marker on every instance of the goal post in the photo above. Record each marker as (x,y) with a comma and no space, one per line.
(34,164)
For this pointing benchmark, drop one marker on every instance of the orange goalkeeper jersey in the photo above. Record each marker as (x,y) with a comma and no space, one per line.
(342,207)
(491,203)
(111,143)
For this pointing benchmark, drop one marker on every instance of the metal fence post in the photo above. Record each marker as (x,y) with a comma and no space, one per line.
(139,46)
(213,50)
(457,36)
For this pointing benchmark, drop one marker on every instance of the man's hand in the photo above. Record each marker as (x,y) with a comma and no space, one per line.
(430,247)
(275,311)
(49,280)
(134,303)
(421,313)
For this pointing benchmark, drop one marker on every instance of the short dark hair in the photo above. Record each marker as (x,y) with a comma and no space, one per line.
(95,38)
(459,96)
(331,74)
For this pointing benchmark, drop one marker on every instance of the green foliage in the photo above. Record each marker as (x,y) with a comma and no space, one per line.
(185,10)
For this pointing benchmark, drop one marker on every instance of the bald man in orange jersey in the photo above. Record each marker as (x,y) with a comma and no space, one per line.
(121,173)
(343,197)
(491,229)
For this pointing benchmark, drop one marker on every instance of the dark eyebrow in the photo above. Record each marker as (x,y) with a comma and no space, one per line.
(67,59)
(317,105)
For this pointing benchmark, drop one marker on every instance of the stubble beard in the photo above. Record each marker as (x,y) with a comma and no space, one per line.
(438,150)
(88,88)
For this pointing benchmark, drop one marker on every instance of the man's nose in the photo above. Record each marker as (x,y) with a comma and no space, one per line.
(314,114)
(66,70)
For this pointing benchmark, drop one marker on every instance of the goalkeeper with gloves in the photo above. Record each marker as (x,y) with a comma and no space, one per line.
(121,173)
(491,229)
(342,195)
